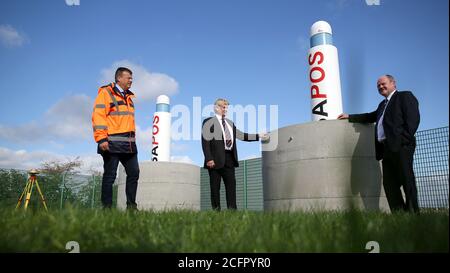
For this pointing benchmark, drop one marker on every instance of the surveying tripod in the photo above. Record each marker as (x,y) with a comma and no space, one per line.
(32,180)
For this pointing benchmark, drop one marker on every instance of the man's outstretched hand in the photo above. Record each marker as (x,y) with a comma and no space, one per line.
(264,137)
(343,116)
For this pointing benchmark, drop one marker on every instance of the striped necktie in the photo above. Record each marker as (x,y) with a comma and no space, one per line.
(227,134)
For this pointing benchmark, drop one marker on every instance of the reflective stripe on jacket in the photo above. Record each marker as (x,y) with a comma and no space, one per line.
(113,119)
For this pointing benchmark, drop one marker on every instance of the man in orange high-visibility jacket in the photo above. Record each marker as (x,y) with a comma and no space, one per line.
(114,131)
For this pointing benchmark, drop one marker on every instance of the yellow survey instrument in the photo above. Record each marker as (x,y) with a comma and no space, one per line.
(28,190)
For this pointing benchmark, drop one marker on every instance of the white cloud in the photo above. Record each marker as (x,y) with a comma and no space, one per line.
(90,163)
(146,85)
(144,138)
(24,160)
(181,159)
(21,159)
(178,147)
(67,119)
(10,37)
(21,133)
(71,117)
(251,157)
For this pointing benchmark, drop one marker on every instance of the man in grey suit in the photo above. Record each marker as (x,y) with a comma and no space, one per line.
(219,148)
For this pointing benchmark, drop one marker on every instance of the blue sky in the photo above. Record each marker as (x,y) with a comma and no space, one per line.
(55,56)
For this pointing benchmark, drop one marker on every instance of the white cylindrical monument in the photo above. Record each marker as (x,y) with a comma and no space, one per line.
(326,99)
(161,130)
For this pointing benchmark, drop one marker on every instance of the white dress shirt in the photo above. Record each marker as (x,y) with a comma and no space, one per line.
(380,129)
(121,90)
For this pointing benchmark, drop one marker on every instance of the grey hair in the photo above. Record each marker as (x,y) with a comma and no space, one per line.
(220,100)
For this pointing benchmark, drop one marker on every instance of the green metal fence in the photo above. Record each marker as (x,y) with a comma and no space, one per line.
(431,167)
(249,194)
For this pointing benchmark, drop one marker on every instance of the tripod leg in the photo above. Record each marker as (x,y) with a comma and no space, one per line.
(30,190)
(42,196)
(22,195)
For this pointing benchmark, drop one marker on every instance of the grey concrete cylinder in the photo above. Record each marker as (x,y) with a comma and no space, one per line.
(322,165)
(163,186)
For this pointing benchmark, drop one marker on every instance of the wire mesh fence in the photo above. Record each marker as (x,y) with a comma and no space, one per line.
(58,190)
(431,167)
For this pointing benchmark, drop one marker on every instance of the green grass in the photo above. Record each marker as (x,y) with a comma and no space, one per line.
(208,231)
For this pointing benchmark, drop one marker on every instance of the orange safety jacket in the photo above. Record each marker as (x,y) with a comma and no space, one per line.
(113,119)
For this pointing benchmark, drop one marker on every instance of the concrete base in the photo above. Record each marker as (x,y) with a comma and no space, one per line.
(163,186)
(323,165)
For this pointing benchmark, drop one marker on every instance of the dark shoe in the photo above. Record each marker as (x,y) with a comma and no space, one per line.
(132,207)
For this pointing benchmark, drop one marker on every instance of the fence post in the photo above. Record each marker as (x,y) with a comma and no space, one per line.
(245,184)
(93,191)
(63,185)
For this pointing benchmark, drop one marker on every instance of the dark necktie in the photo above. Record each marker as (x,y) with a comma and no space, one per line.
(383,108)
(227,134)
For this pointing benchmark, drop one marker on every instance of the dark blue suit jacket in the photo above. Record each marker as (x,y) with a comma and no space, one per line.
(400,122)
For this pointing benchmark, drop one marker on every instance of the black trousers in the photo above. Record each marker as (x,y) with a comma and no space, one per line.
(110,164)
(228,175)
(398,172)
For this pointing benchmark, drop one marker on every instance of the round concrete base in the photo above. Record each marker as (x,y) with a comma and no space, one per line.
(323,165)
(163,186)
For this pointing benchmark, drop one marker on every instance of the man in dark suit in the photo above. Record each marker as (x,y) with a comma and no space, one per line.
(397,119)
(219,148)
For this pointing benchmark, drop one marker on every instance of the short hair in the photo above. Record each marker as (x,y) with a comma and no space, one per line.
(119,72)
(390,77)
(220,100)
